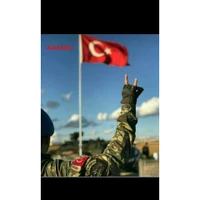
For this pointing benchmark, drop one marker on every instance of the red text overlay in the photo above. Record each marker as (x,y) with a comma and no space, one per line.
(60,47)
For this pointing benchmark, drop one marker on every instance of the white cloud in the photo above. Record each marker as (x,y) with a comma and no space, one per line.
(73,118)
(57,139)
(115,114)
(102,116)
(73,122)
(148,108)
(67,96)
(108,131)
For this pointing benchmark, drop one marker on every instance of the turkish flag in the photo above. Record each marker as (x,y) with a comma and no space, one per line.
(99,51)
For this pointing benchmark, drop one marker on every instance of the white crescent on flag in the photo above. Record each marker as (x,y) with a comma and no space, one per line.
(94,53)
(92,50)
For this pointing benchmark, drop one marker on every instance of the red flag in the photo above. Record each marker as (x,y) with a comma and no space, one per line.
(99,51)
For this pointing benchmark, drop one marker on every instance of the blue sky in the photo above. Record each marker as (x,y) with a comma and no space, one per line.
(101,85)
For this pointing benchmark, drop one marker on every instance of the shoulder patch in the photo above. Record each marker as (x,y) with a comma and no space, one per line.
(80,161)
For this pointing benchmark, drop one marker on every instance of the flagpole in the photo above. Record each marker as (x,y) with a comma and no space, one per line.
(80,96)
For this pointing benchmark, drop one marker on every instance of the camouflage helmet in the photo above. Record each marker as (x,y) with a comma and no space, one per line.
(47,127)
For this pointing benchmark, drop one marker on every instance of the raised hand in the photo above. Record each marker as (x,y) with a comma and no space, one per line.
(130,93)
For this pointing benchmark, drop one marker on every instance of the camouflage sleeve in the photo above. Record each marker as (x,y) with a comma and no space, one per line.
(61,168)
(54,168)
(109,163)
(118,151)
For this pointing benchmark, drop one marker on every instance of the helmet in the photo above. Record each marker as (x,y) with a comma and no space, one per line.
(47,127)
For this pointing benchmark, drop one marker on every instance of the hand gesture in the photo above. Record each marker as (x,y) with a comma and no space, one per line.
(130,93)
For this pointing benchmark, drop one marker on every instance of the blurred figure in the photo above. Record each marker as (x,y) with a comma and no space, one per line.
(115,155)
(155,156)
(145,150)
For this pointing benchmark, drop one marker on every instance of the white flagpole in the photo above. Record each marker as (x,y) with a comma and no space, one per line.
(80,96)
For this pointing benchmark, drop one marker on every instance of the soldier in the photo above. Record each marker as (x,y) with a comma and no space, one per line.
(116,154)
(145,150)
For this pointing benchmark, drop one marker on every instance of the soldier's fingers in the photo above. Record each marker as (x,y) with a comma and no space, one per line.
(135,82)
(126,79)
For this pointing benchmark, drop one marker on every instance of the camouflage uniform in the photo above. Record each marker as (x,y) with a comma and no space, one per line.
(109,163)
